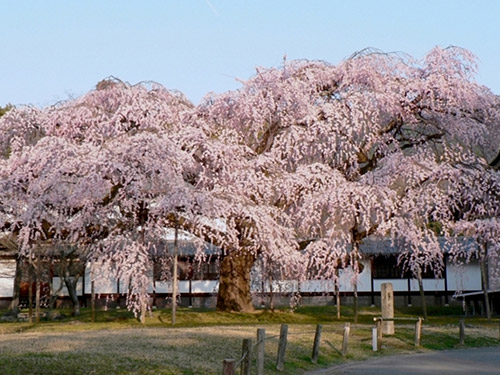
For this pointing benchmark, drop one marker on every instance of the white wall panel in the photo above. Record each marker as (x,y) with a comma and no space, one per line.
(104,284)
(317,286)
(7,274)
(465,277)
(398,285)
(205,286)
(6,286)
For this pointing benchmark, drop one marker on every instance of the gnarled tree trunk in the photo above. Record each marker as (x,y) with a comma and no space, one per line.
(71,284)
(234,282)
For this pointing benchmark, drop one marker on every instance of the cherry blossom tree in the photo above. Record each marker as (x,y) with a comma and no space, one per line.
(325,138)
(486,233)
(472,195)
(102,173)
(299,166)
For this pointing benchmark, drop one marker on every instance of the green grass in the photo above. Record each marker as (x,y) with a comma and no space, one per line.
(116,343)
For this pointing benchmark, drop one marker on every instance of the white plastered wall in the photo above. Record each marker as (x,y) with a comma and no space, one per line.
(7,274)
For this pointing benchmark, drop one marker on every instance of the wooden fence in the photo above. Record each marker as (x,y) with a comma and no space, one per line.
(229,366)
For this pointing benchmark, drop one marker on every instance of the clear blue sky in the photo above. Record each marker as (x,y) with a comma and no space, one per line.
(53,49)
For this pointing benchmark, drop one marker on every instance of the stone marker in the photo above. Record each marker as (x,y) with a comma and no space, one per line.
(387,294)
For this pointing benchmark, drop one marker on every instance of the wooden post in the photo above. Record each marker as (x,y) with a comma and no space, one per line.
(261,337)
(345,340)
(418,331)
(387,301)
(461,331)
(317,340)
(246,351)
(228,367)
(280,360)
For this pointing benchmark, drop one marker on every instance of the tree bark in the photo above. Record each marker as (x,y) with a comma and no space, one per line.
(54,294)
(234,282)
(71,284)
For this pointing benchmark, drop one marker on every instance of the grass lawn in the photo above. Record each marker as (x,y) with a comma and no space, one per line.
(117,344)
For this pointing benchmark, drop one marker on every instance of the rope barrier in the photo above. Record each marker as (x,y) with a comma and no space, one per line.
(237,363)
(271,337)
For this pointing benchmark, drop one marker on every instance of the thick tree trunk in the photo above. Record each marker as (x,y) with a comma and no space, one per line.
(71,283)
(54,294)
(234,282)
(14,304)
